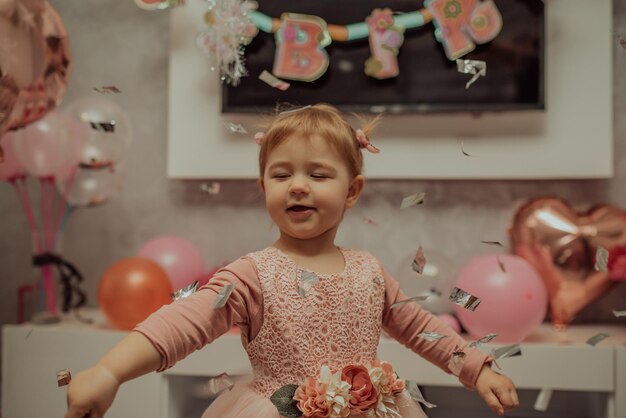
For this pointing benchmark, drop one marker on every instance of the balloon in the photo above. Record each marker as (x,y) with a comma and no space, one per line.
(451,321)
(436,280)
(131,289)
(207,276)
(10,167)
(34,62)
(180,259)
(87,186)
(571,240)
(101,128)
(43,147)
(513,297)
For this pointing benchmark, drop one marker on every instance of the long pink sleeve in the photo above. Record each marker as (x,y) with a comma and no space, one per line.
(405,322)
(179,329)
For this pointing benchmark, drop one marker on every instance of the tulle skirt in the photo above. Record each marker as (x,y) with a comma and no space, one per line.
(243,402)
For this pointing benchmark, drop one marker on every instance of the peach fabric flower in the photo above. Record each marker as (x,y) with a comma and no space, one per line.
(311,398)
(362,391)
(396,385)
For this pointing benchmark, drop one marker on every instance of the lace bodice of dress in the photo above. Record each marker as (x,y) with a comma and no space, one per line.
(337,323)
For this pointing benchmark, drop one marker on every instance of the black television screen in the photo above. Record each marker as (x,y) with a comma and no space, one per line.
(428,81)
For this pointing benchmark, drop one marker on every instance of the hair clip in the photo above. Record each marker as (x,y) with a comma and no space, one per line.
(259,138)
(365,143)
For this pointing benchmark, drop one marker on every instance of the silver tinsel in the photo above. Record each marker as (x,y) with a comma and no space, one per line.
(229,28)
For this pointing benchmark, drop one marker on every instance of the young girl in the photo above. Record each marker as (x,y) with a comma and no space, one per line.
(311,313)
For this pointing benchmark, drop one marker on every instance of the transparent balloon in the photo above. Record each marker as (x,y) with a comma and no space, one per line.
(44,148)
(437,280)
(86,186)
(101,128)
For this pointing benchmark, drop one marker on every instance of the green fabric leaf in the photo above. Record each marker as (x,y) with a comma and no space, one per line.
(284,402)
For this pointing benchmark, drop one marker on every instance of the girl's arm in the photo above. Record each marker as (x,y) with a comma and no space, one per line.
(91,392)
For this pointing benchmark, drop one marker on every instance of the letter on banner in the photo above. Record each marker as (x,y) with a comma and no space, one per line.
(300,43)
(460,23)
(385,41)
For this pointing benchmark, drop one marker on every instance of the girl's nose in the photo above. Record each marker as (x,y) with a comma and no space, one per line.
(299,185)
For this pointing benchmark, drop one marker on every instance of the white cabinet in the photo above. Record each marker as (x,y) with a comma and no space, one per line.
(32,354)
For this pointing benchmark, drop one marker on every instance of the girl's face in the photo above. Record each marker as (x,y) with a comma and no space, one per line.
(308,187)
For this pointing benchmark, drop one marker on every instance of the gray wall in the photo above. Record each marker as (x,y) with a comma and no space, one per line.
(116,43)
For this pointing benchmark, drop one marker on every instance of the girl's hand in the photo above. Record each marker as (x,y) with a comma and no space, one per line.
(496,390)
(91,393)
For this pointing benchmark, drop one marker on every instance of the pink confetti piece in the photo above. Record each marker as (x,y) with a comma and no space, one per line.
(273,81)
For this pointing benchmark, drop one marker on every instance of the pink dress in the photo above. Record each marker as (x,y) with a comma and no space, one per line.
(289,335)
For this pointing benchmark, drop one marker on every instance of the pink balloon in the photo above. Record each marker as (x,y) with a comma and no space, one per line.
(10,167)
(451,321)
(513,297)
(180,259)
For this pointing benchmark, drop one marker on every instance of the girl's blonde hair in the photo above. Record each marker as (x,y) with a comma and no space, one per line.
(320,119)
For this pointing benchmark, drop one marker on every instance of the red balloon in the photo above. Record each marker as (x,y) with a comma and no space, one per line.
(131,289)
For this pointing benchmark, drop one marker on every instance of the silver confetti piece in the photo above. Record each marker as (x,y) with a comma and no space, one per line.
(507,351)
(543,400)
(185,291)
(413,299)
(63,377)
(212,189)
(107,89)
(308,279)
(431,336)
(464,299)
(498,243)
(286,112)
(108,127)
(501,265)
(475,67)
(463,149)
(219,383)
(597,338)
(268,78)
(602,259)
(416,394)
(419,261)
(413,200)
(236,128)
(618,314)
(484,340)
(222,297)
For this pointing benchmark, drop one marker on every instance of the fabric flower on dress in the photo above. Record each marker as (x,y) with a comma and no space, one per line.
(311,398)
(617,263)
(362,391)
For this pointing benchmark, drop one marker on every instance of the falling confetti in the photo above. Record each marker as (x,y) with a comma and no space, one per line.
(543,400)
(273,81)
(219,383)
(602,259)
(236,128)
(484,340)
(497,243)
(619,314)
(63,377)
(431,336)
(370,221)
(504,352)
(413,200)
(464,299)
(597,338)
(107,89)
(416,394)
(108,127)
(419,261)
(463,149)
(413,299)
(501,265)
(475,67)
(212,189)
(308,280)
(222,297)
(186,291)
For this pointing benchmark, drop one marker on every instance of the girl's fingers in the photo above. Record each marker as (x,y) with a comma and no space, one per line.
(514,397)
(492,401)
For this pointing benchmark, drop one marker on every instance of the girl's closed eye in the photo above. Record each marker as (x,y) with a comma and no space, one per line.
(318,175)
(280,175)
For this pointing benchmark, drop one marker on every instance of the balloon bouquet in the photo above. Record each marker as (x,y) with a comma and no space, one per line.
(76,151)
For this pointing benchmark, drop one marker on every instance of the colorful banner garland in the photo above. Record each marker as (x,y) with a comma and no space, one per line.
(301,40)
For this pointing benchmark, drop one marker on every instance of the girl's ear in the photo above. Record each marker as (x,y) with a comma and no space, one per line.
(354,191)
(261,185)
